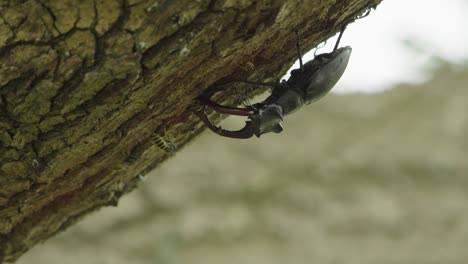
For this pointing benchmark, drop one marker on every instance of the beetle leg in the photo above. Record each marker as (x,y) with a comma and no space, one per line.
(299,53)
(271,84)
(246,132)
(339,38)
(222,109)
(218,87)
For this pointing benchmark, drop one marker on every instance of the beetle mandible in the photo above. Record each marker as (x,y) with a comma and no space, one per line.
(309,83)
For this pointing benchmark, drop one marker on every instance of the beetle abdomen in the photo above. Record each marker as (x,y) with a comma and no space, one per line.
(328,74)
(163,144)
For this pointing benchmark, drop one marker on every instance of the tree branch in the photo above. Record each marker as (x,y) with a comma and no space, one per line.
(85,86)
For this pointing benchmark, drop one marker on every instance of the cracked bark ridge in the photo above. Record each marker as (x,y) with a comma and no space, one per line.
(84,86)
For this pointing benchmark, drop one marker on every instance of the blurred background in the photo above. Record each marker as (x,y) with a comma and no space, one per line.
(374,173)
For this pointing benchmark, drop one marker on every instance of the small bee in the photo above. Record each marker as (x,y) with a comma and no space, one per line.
(165,142)
(248,67)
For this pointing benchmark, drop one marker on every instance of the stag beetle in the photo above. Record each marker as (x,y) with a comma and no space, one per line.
(309,83)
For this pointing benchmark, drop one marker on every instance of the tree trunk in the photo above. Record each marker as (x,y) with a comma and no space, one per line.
(89,87)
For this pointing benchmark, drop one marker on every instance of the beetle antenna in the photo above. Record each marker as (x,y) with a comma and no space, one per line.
(299,53)
(339,38)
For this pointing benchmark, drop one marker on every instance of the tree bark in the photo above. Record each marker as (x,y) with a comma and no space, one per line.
(86,85)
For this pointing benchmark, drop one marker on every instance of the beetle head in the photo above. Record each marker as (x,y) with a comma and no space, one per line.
(268,119)
(322,73)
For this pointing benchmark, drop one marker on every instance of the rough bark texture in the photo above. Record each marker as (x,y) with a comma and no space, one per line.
(85,85)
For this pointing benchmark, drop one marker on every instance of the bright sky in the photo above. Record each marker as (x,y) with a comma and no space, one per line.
(399,41)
